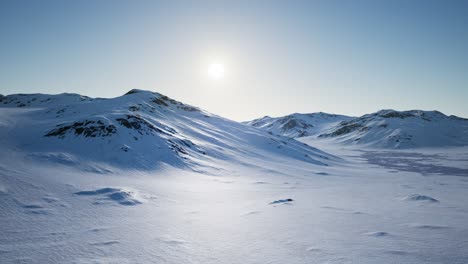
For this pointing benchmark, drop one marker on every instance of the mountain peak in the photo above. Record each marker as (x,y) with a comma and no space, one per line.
(390,113)
(158,99)
(140,91)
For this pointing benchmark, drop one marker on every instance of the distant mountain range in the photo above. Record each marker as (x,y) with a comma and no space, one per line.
(383,129)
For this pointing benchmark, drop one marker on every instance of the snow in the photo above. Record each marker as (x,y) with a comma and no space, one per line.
(82,199)
(388,129)
(126,132)
(298,125)
(118,195)
(418,197)
(402,130)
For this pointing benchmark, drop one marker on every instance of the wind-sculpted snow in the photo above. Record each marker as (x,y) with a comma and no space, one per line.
(412,161)
(282,201)
(378,234)
(422,198)
(122,197)
(57,208)
(140,129)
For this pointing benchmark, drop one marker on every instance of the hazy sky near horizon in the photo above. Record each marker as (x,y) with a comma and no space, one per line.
(280,57)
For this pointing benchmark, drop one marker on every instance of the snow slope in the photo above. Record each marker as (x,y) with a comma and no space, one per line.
(297,125)
(140,129)
(295,212)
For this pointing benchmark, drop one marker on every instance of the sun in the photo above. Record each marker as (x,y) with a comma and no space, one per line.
(216,71)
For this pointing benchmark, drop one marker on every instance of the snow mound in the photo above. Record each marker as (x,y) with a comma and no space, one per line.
(418,197)
(428,227)
(282,201)
(3,190)
(123,197)
(378,234)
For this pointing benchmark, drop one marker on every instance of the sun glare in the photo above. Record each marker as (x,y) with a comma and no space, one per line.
(216,71)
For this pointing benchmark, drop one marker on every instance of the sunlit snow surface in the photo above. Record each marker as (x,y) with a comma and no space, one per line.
(237,195)
(355,213)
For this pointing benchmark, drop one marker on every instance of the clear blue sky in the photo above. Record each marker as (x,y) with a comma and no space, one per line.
(348,57)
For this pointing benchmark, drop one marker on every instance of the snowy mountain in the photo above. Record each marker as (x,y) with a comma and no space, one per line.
(297,125)
(401,129)
(140,129)
(384,129)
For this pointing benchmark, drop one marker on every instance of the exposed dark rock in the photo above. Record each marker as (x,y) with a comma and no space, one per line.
(142,126)
(364,129)
(289,124)
(87,128)
(189,108)
(181,146)
(170,100)
(133,91)
(346,129)
(458,118)
(134,108)
(125,148)
(177,148)
(139,124)
(282,201)
(159,101)
(395,114)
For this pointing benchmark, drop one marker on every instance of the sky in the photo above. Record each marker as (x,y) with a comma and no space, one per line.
(279,57)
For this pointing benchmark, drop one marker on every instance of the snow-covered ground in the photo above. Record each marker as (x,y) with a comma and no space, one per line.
(249,202)
(355,213)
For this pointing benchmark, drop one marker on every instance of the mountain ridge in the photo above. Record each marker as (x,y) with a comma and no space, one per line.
(297,124)
(386,128)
